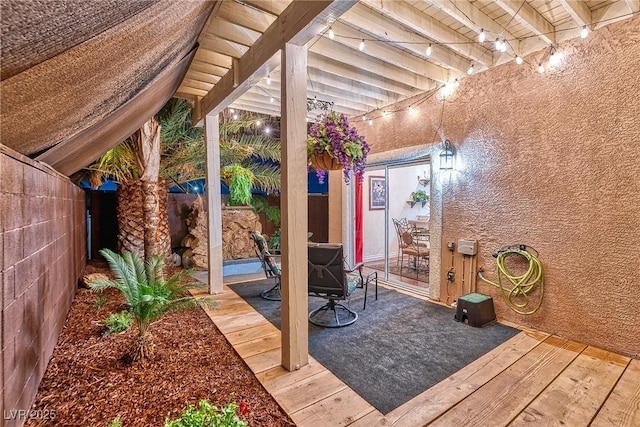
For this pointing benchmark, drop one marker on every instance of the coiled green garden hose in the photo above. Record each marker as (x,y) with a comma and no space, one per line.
(517,297)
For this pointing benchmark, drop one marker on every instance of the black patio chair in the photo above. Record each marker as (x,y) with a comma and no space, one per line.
(328,278)
(271,268)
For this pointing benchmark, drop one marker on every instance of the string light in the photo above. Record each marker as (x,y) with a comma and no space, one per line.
(584,33)
(482,37)
(235,117)
(385,113)
(503,46)
(271,100)
(231,110)
(540,68)
(361,47)
(498,44)
(267,130)
(519,60)
(470,70)
(457,83)
(429,50)
(332,35)
(258,123)
(410,109)
(364,118)
(268,80)
(370,122)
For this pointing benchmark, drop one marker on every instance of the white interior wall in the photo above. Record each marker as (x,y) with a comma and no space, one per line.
(402,181)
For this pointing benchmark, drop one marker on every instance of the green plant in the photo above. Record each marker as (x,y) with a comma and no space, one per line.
(148,295)
(419,196)
(118,322)
(274,241)
(207,415)
(260,204)
(240,182)
(101,300)
(117,422)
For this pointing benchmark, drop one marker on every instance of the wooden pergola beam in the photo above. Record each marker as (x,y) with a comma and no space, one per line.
(578,10)
(297,24)
(524,13)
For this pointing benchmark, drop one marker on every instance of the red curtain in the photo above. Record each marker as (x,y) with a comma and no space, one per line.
(358,220)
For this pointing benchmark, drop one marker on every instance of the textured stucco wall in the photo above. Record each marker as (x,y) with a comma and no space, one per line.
(42,254)
(552,161)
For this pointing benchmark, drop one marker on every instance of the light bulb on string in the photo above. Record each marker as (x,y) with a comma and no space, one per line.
(519,60)
(364,118)
(482,37)
(429,50)
(361,46)
(271,100)
(370,122)
(267,130)
(503,46)
(470,70)
(268,80)
(498,45)
(585,32)
(332,35)
(456,83)
(231,110)
(410,109)
(235,117)
(258,123)
(540,68)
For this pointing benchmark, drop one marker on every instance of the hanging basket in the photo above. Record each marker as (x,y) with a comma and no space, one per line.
(324,161)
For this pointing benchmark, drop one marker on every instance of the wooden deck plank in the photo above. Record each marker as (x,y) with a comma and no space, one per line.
(278,378)
(340,409)
(430,404)
(259,345)
(249,334)
(622,408)
(505,396)
(576,395)
(308,391)
(231,323)
(263,361)
(372,419)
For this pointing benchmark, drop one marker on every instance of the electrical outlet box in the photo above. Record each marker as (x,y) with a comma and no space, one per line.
(467,246)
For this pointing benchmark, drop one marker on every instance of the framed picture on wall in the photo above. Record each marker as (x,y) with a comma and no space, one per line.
(377,196)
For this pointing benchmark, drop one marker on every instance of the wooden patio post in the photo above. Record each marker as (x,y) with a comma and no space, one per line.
(295,329)
(214,205)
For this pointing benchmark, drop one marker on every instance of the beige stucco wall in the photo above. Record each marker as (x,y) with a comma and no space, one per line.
(42,254)
(552,161)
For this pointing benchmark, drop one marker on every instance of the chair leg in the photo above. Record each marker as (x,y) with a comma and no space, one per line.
(352,316)
(273,293)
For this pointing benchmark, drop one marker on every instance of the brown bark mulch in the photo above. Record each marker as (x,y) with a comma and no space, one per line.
(90,379)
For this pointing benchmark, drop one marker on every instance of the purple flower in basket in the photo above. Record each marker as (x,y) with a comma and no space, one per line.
(331,133)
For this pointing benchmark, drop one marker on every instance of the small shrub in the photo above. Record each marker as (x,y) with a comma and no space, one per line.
(118,322)
(117,422)
(207,415)
(101,300)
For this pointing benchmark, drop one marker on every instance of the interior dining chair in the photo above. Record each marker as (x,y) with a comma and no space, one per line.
(416,249)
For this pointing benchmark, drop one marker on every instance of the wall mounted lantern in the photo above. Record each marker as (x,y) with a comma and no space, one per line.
(447,155)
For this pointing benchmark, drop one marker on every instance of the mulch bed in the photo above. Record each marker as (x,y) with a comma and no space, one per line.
(91,380)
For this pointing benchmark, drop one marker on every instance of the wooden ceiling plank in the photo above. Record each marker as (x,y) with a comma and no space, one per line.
(205,67)
(224,47)
(469,15)
(212,58)
(352,86)
(368,21)
(297,24)
(245,16)
(350,37)
(634,5)
(232,32)
(256,95)
(342,99)
(578,10)
(274,7)
(429,27)
(325,47)
(608,15)
(524,13)
(352,72)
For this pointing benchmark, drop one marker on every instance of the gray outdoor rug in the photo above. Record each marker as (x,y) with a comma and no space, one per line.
(399,347)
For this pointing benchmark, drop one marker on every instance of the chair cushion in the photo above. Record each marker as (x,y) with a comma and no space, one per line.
(272,264)
(353,281)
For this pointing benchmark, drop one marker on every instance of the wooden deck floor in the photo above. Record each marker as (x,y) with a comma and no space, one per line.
(531,380)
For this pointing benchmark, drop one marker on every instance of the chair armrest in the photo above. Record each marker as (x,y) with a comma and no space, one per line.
(350,269)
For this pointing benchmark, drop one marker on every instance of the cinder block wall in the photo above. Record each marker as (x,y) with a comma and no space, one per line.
(42,254)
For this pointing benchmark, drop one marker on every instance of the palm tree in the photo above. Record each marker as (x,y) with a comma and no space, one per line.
(148,295)
(182,159)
